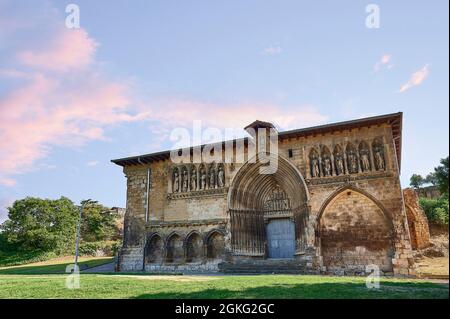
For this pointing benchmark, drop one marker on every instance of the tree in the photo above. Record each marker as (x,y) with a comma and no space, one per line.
(41,224)
(416,181)
(431,179)
(441,174)
(98,222)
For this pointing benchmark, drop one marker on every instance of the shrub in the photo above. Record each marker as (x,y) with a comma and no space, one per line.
(108,248)
(435,209)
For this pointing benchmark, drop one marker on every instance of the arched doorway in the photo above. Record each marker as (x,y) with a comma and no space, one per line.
(264,207)
(354,232)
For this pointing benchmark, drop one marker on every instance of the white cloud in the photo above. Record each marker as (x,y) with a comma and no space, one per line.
(272,50)
(416,79)
(385,61)
(92,163)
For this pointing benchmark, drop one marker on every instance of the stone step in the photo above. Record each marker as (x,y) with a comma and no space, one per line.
(267,266)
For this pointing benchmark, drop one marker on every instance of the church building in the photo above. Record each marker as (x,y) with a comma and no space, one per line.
(333,205)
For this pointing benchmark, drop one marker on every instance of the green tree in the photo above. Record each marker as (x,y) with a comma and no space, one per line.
(441,174)
(98,222)
(431,179)
(41,224)
(416,181)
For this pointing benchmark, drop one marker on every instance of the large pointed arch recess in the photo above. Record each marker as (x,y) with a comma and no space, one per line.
(248,192)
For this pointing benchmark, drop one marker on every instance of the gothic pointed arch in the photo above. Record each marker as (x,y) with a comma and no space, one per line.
(154,249)
(215,244)
(247,197)
(355,229)
(174,248)
(194,247)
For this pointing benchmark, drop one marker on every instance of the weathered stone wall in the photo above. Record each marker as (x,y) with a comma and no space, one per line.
(206,210)
(417,221)
(354,232)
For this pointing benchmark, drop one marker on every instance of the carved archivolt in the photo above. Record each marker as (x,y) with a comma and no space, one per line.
(367,156)
(194,178)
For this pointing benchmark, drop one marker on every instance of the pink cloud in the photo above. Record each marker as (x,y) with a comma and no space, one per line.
(384,61)
(71,49)
(49,109)
(416,79)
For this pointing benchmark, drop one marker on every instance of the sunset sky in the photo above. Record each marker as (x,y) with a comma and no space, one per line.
(73,99)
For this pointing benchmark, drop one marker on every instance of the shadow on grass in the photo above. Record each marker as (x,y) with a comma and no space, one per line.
(59,268)
(337,290)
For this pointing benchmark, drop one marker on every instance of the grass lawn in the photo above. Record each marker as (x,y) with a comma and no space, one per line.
(264,286)
(47,280)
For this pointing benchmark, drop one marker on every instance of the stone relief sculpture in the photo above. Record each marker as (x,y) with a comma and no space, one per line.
(352,160)
(189,179)
(176,182)
(212,177)
(338,161)
(327,169)
(193,179)
(364,155)
(203,178)
(220,177)
(327,166)
(377,148)
(185,181)
(314,163)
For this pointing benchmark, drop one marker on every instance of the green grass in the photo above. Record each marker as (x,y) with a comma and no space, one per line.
(264,286)
(53,266)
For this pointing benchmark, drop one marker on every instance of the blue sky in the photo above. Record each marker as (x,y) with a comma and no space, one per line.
(72,99)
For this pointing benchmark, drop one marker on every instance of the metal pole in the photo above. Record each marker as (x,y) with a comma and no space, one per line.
(78,237)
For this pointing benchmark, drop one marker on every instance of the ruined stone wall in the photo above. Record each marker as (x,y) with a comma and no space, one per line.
(354,232)
(417,221)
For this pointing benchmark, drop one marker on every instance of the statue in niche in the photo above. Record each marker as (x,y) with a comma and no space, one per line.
(339,165)
(327,166)
(379,158)
(193,180)
(185,181)
(365,162)
(220,177)
(176,182)
(202,179)
(212,178)
(315,171)
(352,161)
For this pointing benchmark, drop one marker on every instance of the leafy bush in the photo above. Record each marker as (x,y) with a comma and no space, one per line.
(435,209)
(108,248)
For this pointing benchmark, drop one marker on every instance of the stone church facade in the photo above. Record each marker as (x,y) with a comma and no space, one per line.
(334,205)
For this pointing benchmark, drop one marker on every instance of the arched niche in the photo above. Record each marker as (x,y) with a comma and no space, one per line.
(194,247)
(174,249)
(378,155)
(354,231)
(327,166)
(364,157)
(215,245)
(154,249)
(339,165)
(314,163)
(352,158)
